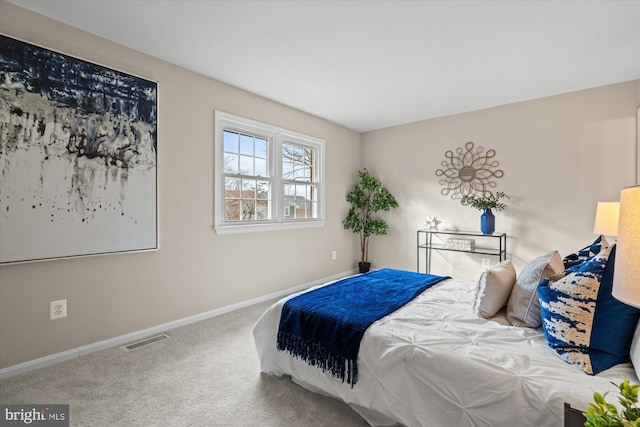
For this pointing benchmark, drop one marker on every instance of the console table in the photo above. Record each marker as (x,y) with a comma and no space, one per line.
(487,244)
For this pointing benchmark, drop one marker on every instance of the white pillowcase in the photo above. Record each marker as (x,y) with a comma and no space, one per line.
(494,288)
(523,308)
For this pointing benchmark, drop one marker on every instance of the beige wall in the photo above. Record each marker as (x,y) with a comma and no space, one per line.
(560,156)
(195,270)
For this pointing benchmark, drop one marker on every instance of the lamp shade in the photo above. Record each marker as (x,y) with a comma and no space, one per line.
(606,222)
(626,276)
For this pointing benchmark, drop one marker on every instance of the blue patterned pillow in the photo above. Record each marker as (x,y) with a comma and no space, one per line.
(585,253)
(582,320)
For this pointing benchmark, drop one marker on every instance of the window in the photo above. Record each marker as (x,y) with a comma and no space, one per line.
(267,178)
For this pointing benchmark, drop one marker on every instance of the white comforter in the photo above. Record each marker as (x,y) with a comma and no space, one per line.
(434,363)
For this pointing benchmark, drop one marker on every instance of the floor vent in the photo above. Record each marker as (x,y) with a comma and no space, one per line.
(145,341)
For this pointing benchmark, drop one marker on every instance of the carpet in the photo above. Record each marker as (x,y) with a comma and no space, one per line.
(206,374)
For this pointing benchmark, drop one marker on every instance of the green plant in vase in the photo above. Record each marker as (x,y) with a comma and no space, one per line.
(486,203)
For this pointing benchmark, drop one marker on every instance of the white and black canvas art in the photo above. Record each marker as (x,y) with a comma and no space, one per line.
(78,157)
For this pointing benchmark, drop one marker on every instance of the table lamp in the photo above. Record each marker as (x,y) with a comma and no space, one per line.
(607,214)
(626,276)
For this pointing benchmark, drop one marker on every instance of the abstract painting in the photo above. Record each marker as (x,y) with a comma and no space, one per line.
(78,157)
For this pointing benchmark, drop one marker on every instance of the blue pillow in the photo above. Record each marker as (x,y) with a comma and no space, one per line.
(582,321)
(585,253)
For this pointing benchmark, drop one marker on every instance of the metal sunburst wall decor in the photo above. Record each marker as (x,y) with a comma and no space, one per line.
(469,171)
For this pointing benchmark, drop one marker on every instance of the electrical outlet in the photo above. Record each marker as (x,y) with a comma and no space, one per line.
(486,263)
(334,255)
(58,309)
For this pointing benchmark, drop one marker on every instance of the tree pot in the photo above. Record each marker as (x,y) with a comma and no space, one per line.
(364,267)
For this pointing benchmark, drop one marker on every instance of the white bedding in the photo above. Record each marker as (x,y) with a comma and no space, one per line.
(434,363)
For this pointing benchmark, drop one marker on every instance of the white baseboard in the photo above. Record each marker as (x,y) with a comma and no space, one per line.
(52,359)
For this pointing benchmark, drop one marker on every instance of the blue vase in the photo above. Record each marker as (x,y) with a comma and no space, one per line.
(487,222)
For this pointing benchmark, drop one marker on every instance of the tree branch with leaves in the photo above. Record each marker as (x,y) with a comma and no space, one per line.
(600,413)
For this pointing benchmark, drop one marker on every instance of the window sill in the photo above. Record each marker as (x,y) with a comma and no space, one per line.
(272,226)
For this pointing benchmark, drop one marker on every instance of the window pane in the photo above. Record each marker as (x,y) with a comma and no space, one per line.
(287,159)
(246,145)
(261,167)
(298,173)
(297,162)
(246,165)
(230,163)
(262,190)
(232,210)
(287,170)
(290,211)
(312,193)
(261,148)
(248,189)
(303,212)
(300,201)
(248,209)
(289,189)
(287,152)
(231,185)
(262,209)
(231,142)
(298,154)
(289,201)
(299,193)
(313,210)
(307,156)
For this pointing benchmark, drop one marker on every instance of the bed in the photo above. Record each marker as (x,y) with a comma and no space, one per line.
(435,362)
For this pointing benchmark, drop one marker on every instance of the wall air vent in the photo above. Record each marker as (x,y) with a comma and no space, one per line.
(144,342)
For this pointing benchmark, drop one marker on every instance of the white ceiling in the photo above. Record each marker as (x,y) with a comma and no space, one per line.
(373,64)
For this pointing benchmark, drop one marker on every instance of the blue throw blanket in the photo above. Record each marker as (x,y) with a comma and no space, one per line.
(324,327)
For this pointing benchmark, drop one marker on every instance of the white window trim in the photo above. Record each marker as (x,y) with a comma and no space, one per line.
(275,136)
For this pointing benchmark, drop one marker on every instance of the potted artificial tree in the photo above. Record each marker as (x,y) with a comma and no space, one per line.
(367,198)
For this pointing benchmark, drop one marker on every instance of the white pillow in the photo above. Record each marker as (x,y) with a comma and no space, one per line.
(523,308)
(494,288)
